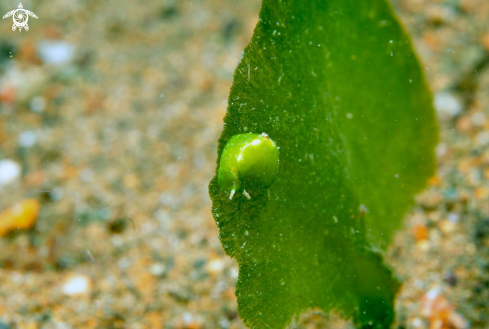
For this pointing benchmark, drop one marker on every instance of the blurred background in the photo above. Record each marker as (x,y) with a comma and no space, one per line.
(110,113)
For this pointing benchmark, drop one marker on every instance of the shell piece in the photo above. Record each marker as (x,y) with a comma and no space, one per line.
(21,215)
(254,156)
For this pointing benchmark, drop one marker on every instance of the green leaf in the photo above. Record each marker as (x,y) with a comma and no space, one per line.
(338,87)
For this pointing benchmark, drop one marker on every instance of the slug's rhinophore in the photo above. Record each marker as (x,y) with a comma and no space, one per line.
(253,156)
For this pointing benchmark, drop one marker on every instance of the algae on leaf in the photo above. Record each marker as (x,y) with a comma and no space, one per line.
(338,87)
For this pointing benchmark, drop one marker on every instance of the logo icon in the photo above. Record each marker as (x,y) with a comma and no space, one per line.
(20,17)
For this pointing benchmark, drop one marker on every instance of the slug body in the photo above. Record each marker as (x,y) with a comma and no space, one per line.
(253,156)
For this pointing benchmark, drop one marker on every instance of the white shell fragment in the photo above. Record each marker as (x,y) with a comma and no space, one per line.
(9,171)
(76,285)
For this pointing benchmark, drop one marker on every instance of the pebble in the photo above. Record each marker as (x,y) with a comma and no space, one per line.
(453,217)
(234,273)
(224,323)
(27,139)
(22,215)
(420,232)
(26,83)
(157,269)
(215,266)
(447,226)
(441,150)
(450,278)
(61,325)
(56,193)
(77,285)
(56,52)
(86,175)
(447,105)
(441,314)
(166,199)
(478,119)
(124,263)
(37,104)
(9,171)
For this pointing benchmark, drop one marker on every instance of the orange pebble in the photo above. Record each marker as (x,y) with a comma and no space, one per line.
(485,42)
(481,193)
(440,312)
(420,232)
(21,215)
(434,181)
(7,95)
